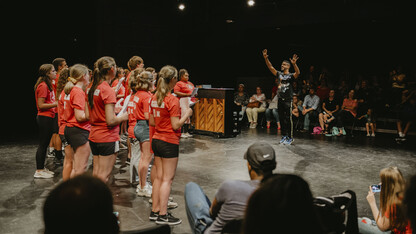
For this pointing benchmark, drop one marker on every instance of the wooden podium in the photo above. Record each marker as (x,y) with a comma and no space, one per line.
(213,114)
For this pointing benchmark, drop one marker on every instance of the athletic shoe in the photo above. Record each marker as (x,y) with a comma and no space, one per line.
(49,172)
(368,134)
(172,205)
(283,139)
(373,134)
(188,135)
(183,135)
(288,141)
(401,134)
(42,175)
(153,216)
(168,219)
(146,191)
(51,153)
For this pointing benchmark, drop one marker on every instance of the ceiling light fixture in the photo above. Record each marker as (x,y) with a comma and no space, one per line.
(250,3)
(181,6)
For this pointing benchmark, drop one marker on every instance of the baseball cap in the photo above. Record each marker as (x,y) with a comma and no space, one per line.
(261,155)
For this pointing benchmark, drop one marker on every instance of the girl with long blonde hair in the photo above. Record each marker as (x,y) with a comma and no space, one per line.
(390,217)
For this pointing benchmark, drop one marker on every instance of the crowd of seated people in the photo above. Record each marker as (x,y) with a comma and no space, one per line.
(266,203)
(336,104)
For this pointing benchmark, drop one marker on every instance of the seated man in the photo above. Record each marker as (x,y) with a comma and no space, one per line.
(83,204)
(231,198)
(310,106)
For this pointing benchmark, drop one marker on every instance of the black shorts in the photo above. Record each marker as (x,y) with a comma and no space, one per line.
(76,137)
(164,149)
(55,129)
(104,149)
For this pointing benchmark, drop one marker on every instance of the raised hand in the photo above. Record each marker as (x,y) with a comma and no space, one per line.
(293,59)
(265,53)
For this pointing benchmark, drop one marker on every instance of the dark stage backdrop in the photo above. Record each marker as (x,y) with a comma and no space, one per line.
(361,37)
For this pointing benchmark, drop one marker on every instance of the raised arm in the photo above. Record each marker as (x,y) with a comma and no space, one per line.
(293,60)
(268,63)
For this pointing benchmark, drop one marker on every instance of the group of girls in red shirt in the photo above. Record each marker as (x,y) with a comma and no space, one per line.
(88,123)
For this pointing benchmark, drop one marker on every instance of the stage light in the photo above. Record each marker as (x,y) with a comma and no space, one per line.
(181,6)
(250,3)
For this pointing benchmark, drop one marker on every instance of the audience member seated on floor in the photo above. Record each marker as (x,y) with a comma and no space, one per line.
(271,111)
(241,100)
(410,201)
(347,113)
(330,106)
(310,108)
(370,122)
(83,204)
(257,104)
(282,204)
(406,114)
(390,217)
(232,196)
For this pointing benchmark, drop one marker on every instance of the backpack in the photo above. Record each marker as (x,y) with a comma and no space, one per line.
(338,213)
(317,130)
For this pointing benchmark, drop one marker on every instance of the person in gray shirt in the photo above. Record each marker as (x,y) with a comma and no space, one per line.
(310,108)
(231,198)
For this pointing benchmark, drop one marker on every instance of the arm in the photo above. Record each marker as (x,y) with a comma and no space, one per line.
(152,120)
(293,60)
(383,223)
(110,116)
(44,106)
(180,94)
(81,115)
(268,63)
(177,123)
(215,208)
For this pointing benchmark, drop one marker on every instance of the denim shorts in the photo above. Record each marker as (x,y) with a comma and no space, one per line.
(141,130)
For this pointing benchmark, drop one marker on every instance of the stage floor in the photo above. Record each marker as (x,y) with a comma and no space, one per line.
(330,165)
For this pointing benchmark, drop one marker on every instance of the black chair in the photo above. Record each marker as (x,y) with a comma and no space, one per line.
(233,226)
(154,229)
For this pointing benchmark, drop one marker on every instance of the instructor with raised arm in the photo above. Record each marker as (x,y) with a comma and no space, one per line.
(285,93)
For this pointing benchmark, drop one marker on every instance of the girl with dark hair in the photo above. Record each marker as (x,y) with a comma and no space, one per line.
(46,105)
(165,115)
(67,170)
(104,136)
(183,90)
(282,204)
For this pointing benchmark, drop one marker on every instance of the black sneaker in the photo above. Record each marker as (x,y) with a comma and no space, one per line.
(168,219)
(153,215)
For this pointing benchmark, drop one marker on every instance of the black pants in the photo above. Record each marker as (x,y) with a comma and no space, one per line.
(343,117)
(45,134)
(285,117)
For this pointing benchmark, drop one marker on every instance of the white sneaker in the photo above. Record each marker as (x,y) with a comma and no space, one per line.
(188,135)
(401,134)
(368,134)
(48,171)
(170,199)
(42,175)
(183,135)
(146,191)
(373,134)
(254,125)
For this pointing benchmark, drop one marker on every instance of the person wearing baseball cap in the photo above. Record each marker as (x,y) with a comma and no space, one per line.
(231,198)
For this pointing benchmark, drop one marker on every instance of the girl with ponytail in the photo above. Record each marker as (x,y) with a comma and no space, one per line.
(46,105)
(165,115)
(67,170)
(104,136)
(76,113)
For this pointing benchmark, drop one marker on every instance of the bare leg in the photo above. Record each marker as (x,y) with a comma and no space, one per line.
(169,169)
(68,166)
(106,164)
(372,125)
(321,120)
(406,129)
(96,165)
(144,162)
(156,184)
(399,126)
(81,156)
(367,127)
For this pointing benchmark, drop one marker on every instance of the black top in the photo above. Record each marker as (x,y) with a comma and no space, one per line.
(285,90)
(331,105)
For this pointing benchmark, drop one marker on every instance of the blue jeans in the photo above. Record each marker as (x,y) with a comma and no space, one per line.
(270,113)
(197,207)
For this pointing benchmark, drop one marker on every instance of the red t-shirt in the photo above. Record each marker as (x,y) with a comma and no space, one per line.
(395,231)
(100,131)
(42,91)
(61,119)
(183,87)
(131,109)
(163,129)
(75,100)
(352,104)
